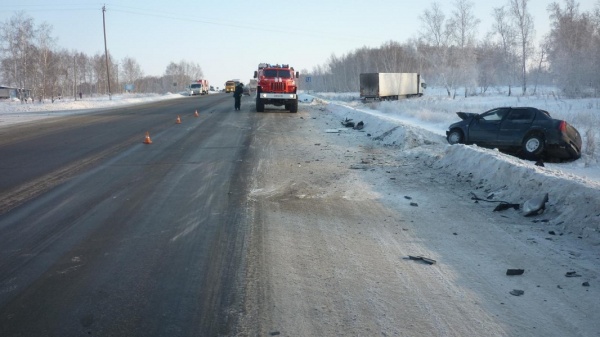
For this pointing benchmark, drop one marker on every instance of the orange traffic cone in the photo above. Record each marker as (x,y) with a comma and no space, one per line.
(178,120)
(147,140)
(196,113)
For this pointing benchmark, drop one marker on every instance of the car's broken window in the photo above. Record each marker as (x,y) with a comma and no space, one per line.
(494,115)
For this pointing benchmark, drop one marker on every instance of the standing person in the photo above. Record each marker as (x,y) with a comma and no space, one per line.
(237,94)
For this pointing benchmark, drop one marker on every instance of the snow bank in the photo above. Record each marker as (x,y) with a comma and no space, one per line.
(573,188)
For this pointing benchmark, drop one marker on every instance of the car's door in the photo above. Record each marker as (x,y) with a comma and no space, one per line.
(514,127)
(484,128)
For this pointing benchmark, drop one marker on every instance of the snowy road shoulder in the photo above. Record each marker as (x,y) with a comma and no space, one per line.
(573,199)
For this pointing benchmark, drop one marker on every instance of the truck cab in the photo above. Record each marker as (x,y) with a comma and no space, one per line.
(276,85)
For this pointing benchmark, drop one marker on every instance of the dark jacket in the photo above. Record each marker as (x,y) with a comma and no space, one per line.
(239,91)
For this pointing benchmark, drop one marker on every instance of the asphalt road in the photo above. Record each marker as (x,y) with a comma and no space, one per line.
(103,235)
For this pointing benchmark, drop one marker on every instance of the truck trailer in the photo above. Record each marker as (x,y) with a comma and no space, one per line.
(390,86)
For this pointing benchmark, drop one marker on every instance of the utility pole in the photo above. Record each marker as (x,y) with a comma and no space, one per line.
(106,51)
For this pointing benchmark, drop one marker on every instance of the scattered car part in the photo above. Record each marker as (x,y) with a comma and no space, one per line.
(421,258)
(517,292)
(348,123)
(512,272)
(535,206)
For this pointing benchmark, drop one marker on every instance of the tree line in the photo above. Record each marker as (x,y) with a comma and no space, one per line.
(31,59)
(448,54)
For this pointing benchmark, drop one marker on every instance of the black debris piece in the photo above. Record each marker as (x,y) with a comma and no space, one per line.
(407,197)
(572,274)
(504,206)
(585,284)
(539,163)
(359,126)
(501,207)
(515,272)
(517,292)
(421,258)
(552,232)
(348,123)
(414,204)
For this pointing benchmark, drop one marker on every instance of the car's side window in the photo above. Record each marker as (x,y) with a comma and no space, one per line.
(520,115)
(494,115)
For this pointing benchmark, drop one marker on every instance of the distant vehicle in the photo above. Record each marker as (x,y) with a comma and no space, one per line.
(199,87)
(390,86)
(252,84)
(525,130)
(230,86)
(246,90)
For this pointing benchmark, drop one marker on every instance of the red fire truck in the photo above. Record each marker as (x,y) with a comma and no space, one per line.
(276,85)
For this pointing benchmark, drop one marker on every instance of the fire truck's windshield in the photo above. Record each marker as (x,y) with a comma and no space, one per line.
(277,73)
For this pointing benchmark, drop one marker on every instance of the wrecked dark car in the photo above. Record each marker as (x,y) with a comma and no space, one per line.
(528,132)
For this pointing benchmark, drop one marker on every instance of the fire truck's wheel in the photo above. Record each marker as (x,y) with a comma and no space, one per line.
(260,106)
(294,106)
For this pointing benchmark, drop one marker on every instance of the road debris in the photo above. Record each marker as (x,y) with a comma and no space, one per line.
(535,206)
(503,205)
(517,292)
(572,274)
(421,258)
(348,123)
(515,271)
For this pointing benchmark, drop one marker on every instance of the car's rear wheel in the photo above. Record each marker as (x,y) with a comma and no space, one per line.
(533,145)
(456,137)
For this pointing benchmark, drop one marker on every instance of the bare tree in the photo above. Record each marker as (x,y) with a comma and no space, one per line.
(574,37)
(46,62)
(525,34)
(462,27)
(16,39)
(182,73)
(433,21)
(506,34)
(434,34)
(131,70)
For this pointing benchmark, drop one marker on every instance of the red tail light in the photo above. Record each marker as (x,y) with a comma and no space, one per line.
(562,126)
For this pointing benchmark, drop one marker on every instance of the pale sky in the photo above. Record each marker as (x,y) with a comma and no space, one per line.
(229,38)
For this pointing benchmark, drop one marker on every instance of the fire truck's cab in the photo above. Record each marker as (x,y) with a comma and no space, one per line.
(276,85)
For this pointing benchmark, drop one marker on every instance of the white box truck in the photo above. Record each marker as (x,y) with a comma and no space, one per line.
(390,86)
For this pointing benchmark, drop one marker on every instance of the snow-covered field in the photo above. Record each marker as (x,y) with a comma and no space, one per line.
(419,125)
